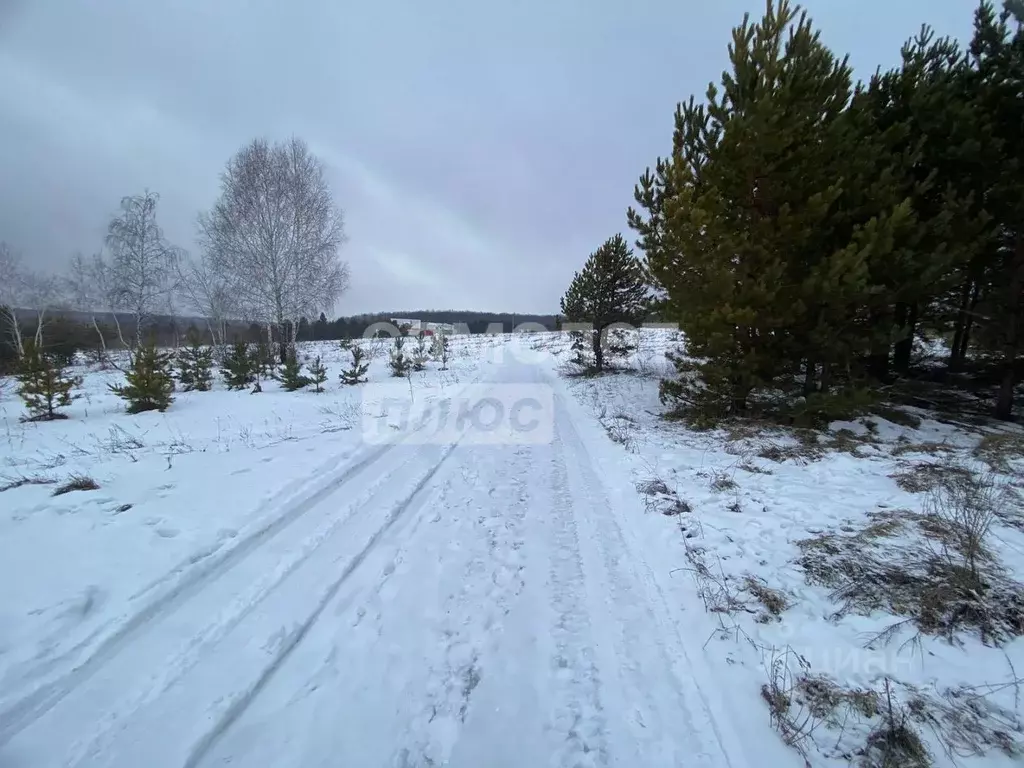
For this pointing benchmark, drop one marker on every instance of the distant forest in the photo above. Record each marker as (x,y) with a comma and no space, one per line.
(79,329)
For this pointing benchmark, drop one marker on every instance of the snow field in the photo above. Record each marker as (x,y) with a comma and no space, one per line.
(747,515)
(255,583)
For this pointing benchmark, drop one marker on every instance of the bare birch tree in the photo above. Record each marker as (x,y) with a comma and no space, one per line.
(90,288)
(10,280)
(141,274)
(28,291)
(207,292)
(274,235)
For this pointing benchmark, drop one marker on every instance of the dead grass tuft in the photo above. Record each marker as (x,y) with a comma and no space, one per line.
(885,726)
(1000,449)
(788,713)
(895,745)
(968,722)
(773,601)
(811,445)
(653,487)
(802,451)
(932,567)
(722,481)
(922,476)
(10,485)
(661,498)
(897,416)
(827,699)
(748,466)
(848,441)
(904,446)
(77,483)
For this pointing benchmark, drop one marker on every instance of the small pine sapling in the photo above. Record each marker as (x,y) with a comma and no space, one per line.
(44,384)
(238,367)
(263,363)
(398,361)
(318,374)
(148,381)
(356,373)
(581,346)
(203,370)
(290,374)
(618,344)
(441,350)
(195,364)
(186,376)
(420,353)
(610,289)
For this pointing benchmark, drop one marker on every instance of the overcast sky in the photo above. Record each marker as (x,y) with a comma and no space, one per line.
(479,149)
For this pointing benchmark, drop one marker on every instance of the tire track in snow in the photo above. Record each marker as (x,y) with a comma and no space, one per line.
(241,701)
(490,581)
(648,671)
(187,581)
(35,704)
(579,718)
(177,665)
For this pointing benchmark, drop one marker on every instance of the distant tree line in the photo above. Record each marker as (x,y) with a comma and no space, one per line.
(355,326)
(68,332)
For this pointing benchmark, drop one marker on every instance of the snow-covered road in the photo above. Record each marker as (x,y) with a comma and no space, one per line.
(422,604)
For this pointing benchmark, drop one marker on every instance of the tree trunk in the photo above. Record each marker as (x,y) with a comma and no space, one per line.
(956,358)
(965,341)
(738,402)
(14,328)
(810,377)
(826,376)
(877,362)
(906,319)
(1004,401)
(598,349)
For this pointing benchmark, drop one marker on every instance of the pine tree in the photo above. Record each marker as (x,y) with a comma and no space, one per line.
(997,74)
(924,115)
(290,374)
(195,364)
(238,367)
(610,289)
(318,373)
(356,373)
(399,361)
(148,380)
(760,229)
(44,384)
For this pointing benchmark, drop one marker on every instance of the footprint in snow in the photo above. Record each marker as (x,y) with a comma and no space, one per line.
(167,533)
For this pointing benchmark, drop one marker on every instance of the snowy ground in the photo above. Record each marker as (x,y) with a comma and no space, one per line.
(740,504)
(262,580)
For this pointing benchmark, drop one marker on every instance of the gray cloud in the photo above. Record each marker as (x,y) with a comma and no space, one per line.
(480,150)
